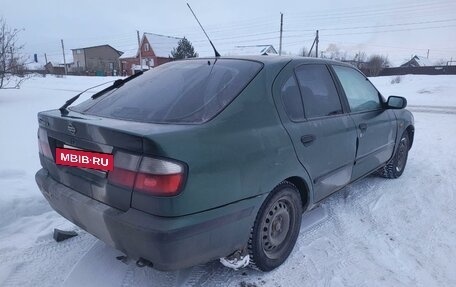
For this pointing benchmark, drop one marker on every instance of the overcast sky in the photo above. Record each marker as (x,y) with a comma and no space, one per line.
(396,28)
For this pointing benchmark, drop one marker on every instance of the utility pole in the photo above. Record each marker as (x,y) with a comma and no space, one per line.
(311,48)
(427,54)
(139,45)
(315,43)
(64,60)
(45,58)
(281,31)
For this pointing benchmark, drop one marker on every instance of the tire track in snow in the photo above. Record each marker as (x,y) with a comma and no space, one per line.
(40,260)
(129,277)
(353,225)
(432,109)
(210,274)
(103,258)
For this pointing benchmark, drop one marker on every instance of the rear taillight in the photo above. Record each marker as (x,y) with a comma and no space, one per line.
(43,143)
(160,177)
(122,177)
(163,185)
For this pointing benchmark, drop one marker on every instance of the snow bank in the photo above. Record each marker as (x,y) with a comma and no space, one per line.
(434,90)
(25,215)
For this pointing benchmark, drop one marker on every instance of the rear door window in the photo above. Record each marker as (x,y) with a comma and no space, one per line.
(318,91)
(190,91)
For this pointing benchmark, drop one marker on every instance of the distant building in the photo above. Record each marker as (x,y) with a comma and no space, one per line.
(37,67)
(41,64)
(54,68)
(100,60)
(155,50)
(417,61)
(252,50)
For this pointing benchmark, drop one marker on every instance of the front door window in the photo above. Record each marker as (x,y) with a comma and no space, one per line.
(361,94)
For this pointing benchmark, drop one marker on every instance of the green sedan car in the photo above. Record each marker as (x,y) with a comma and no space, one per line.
(212,158)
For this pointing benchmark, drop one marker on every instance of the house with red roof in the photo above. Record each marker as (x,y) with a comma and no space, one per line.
(155,50)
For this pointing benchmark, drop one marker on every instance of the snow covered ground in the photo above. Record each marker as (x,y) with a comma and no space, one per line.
(375,232)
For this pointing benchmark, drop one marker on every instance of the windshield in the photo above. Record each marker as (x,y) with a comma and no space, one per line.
(191,91)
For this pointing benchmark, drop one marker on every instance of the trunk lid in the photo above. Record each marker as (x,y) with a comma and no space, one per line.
(96,134)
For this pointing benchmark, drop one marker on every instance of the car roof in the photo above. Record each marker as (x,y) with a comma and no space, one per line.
(275,59)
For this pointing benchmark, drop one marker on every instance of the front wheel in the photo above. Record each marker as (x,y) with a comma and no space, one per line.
(396,166)
(276,228)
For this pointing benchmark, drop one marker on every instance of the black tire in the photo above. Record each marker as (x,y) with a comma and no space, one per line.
(396,166)
(276,228)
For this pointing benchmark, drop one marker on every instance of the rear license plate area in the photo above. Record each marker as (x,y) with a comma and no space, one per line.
(76,157)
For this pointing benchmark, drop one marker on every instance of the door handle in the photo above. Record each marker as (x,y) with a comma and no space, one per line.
(363,127)
(307,139)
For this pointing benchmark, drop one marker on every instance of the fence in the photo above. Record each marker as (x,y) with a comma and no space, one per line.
(429,70)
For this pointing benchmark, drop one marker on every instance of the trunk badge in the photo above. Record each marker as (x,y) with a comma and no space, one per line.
(71,129)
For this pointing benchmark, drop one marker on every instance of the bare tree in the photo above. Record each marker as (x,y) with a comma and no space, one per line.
(360,57)
(376,64)
(12,62)
(303,52)
(332,51)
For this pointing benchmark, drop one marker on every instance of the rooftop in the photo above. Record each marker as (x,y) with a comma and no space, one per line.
(253,50)
(162,45)
(91,47)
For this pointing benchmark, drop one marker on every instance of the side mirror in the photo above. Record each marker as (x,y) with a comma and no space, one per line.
(395,102)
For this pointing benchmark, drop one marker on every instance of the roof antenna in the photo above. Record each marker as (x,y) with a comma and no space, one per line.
(213,47)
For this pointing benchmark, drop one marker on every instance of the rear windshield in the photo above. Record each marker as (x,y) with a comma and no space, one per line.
(191,91)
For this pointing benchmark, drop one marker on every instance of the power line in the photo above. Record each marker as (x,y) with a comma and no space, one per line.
(378,7)
(396,30)
(373,11)
(253,22)
(120,42)
(243,27)
(220,28)
(378,26)
(386,46)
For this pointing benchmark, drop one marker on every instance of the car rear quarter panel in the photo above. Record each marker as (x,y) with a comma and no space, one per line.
(242,153)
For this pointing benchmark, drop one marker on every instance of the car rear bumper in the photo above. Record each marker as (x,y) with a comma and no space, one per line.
(170,243)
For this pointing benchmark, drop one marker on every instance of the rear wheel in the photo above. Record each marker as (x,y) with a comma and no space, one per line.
(396,166)
(276,228)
